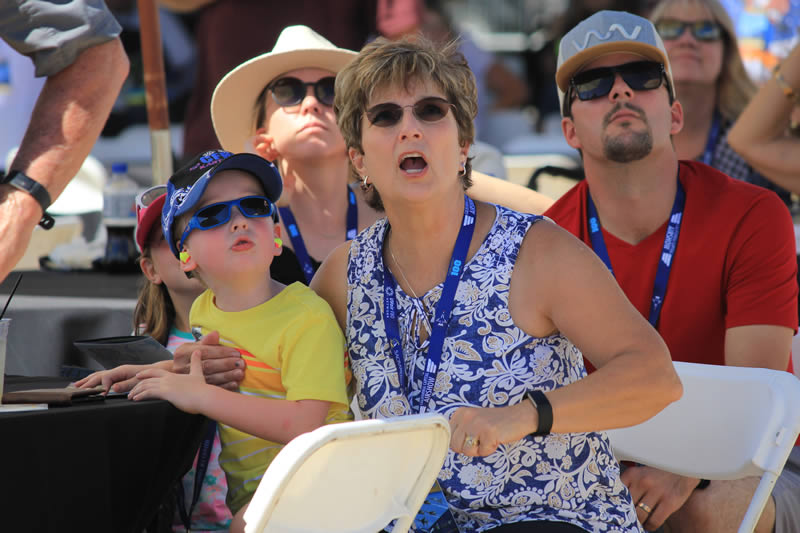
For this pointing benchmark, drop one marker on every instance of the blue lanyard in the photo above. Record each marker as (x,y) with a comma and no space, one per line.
(203,457)
(297,239)
(667,252)
(711,143)
(444,309)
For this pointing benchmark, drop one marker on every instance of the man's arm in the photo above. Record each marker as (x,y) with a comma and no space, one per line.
(69,115)
(761,304)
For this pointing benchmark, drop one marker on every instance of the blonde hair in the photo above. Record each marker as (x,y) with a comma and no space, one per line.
(384,63)
(154,313)
(734,86)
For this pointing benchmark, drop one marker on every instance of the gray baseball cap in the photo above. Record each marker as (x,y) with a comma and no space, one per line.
(608,32)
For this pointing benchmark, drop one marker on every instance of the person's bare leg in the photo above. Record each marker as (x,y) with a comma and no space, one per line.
(720,508)
(238,523)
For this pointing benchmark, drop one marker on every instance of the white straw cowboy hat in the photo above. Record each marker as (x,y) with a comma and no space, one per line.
(234,99)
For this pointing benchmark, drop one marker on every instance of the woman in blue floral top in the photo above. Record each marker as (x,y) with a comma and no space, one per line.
(481,313)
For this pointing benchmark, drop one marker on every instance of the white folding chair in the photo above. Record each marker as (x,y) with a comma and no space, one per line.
(732,422)
(351,477)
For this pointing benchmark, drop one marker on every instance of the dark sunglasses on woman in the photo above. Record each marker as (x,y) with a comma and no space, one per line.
(214,215)
(290,91)
(702,30)
(431,109)
(597,82)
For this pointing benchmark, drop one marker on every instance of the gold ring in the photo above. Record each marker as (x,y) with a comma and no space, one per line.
(644,507)
(469,442)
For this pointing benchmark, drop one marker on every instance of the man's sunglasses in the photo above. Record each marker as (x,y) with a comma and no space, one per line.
(597,82)
(702,30)
(214,215)
(291,91)
(431,109)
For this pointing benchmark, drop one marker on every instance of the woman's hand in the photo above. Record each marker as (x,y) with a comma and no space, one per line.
(662,493)
(221,365)
(478,431)
(184,391)
(119,379)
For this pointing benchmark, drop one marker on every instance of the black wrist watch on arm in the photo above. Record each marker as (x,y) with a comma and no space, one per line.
(24,183)
(544,410)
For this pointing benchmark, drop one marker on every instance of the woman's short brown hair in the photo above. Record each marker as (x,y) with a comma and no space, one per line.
(384,63)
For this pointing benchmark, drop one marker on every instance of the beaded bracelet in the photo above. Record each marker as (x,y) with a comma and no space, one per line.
(790,92)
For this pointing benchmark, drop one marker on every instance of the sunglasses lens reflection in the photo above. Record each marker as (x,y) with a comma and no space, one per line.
(702,30)
(213,215)
(291,91)
(427,110)
(255,207)
(217,214)
(596,83)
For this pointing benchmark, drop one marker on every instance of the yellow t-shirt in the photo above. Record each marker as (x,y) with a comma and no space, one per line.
(294,350)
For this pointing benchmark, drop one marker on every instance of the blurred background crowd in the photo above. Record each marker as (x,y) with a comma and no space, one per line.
(511,45)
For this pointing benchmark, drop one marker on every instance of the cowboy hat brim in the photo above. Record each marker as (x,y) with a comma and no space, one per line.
(234,99)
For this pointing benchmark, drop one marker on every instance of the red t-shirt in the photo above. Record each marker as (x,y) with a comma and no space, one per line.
(735,263)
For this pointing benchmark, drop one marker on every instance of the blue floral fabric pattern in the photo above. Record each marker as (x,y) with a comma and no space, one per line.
(489,362)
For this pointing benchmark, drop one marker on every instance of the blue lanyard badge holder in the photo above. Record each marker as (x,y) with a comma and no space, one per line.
(299,245)
(434,516)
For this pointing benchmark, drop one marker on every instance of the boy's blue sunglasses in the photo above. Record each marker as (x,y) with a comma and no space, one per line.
(217,214)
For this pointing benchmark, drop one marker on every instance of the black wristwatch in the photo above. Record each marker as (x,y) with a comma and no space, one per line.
(545,411)
(24,183)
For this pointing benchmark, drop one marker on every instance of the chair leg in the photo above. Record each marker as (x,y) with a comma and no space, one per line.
(758,502)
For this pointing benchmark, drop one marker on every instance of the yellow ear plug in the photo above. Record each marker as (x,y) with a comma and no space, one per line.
(184,256)
(278,242)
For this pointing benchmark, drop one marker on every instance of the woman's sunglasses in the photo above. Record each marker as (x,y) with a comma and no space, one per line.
(702,30)
(597,82)
(214,215)
(431,109)
(291,91)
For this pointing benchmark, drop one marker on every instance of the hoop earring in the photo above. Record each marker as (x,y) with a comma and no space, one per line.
(463,171)
(365,185)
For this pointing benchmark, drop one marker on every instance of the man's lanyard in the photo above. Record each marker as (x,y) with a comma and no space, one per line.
(444,309)
(667,252)
(203,456)
(297,239)
(711,143)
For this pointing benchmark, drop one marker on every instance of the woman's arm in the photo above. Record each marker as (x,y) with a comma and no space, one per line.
(496,191)
(575,293)
(330,282)
(559,285)
(760,132)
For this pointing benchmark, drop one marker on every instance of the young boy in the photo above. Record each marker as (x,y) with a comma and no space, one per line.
(218,219)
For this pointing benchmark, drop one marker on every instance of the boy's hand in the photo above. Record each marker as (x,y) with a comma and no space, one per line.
(184,391)
(119,379)
(221,365)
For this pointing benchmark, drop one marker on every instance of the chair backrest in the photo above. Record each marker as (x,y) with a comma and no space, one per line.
(351,477)
(730,423)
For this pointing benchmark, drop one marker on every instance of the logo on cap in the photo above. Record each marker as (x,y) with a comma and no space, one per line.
(629,36)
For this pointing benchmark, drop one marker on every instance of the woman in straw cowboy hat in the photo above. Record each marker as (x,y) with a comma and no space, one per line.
(279,105)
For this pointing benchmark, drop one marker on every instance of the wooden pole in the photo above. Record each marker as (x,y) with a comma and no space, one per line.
(155,90)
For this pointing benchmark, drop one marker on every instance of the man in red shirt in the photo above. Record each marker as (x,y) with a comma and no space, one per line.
(709,260)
